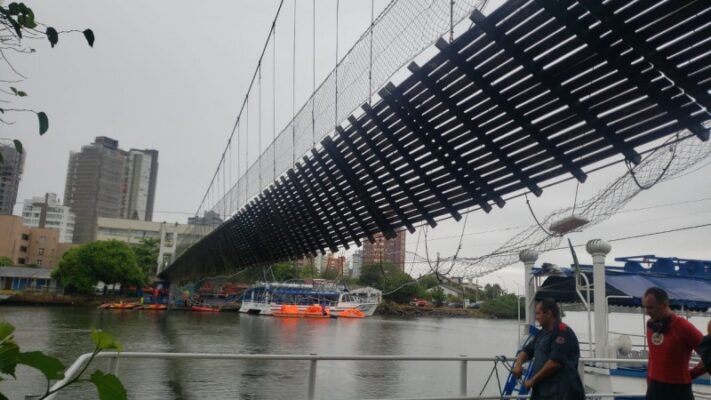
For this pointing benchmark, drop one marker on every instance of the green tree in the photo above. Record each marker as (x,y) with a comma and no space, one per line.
(504,306)
(438,296)
(6,261)
(72,274)
(428,281)
(396,285)
(147,255)
(493,291)
(284,271)
(109,261)
(372,274)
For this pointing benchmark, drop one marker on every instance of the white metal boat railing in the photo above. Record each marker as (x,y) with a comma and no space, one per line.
(313,359)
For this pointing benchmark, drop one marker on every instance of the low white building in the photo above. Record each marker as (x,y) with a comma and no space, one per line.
(135,231)
(47,212)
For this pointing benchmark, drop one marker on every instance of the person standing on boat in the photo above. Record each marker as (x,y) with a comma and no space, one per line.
(555,353)
(704,350)
(671,339)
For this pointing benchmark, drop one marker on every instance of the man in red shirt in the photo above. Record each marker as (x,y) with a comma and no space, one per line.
(671,339)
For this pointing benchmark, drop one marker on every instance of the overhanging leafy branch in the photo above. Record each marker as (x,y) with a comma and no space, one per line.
(17,23)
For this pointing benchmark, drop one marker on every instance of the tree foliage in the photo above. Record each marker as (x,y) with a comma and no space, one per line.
(147,255)
(493,291)
(109,261)
(429,281)
(438,296)
(396,285)
(17,23)
(504,306)
(284,272)
(5,261)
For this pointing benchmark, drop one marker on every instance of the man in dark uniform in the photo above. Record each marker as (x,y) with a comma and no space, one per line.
(555,353)
(704,351)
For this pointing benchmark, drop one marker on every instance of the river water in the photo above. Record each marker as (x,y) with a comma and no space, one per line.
(63,332)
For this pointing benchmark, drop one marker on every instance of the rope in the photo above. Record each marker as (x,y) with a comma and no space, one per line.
(407,29)
(224,190)
(528,203)
(246,149)
(274,102)
(451,21)
(313,77)
(335,114)
(575,199)
(659,177)
(259,125)
(293,94)
(244,102)
(370,59)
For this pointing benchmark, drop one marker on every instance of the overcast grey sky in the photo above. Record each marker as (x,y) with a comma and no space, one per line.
(171,75)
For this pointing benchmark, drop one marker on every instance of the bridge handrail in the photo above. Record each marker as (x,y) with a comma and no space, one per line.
(114,357)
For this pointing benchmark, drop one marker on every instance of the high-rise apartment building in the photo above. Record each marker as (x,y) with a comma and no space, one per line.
(10,175)
(105,181)
(386,251)
(209,218)
(335,264)
(355,263)
(139,191)
(47,212)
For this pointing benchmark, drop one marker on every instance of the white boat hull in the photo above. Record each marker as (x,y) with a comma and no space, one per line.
(616,380)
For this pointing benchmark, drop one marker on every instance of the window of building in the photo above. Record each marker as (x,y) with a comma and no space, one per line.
(25,236)
(40,251)
(39,261)
(20,260)
(23,249)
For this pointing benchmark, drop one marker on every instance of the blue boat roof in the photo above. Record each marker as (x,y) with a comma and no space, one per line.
(303,291)
(688,282)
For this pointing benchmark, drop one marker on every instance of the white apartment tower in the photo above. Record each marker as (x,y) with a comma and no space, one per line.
(140,175)
(47,212)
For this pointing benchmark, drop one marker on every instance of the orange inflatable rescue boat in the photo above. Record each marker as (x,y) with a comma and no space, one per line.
(317,311)
(288,310)
(205,309)
(351,313)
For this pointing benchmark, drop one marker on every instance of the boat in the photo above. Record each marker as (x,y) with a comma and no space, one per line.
(267,298)
(688,282)
(153,307)
(350,313)
(205,309)
(317,311)
(288,311)
(119,306)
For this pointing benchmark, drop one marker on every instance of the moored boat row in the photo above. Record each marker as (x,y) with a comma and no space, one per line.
(294,299)
(315,311)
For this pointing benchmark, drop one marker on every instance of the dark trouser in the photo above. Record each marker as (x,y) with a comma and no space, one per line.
(668,391)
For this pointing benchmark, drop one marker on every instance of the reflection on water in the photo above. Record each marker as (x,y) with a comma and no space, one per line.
(64,333)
